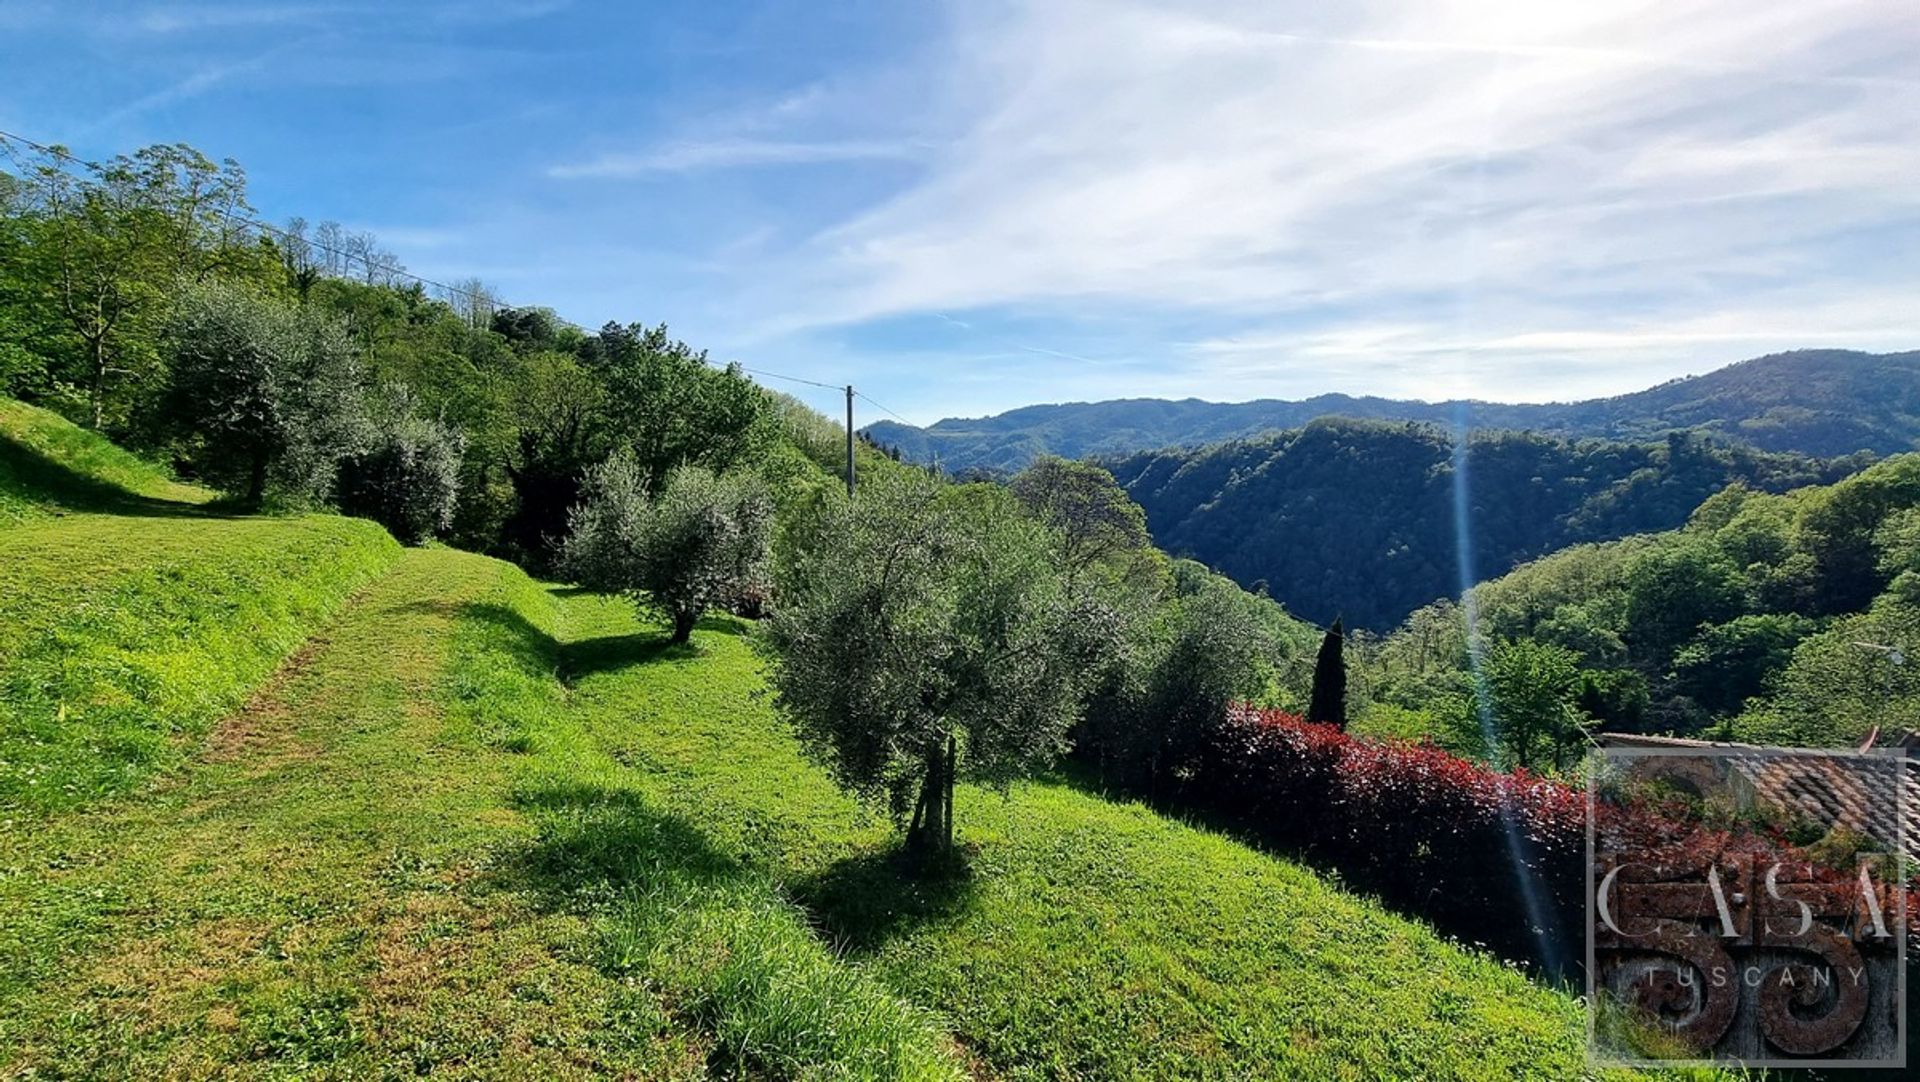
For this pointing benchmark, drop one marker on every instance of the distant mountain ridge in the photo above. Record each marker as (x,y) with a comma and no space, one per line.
(1815,402)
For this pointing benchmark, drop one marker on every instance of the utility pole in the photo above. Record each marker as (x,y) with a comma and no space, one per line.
(849,441)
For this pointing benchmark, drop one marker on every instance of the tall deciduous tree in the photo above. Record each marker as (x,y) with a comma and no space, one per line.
(924,635)
(699,544)
(1095,518)
(669,406)
(1531,690)
(105,246)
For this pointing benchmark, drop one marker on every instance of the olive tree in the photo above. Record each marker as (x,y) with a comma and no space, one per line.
(261,395)
(923,634)
(407,478)
(699,544)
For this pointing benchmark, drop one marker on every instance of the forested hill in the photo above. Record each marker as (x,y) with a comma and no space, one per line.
(1356,518)
(1816,402)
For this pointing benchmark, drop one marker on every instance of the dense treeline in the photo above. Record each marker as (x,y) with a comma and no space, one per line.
(1362,519)
(1770,618)
(299,366)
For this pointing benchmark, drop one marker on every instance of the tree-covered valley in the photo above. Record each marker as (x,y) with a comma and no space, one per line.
(1772,619)
(1821,402)
(1368,520)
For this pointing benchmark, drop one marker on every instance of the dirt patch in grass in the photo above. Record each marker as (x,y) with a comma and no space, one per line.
(264,723)
(158,980)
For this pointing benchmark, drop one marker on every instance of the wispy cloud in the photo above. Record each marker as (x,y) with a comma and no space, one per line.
(1515,177)
(733,154)
(203,18)
(196,83)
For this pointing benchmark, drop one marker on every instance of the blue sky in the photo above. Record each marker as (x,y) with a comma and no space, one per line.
(971,206)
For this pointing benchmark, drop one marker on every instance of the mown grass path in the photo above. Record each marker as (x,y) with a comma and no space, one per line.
(123,638)
(481,829)
(364,873)
(320,894)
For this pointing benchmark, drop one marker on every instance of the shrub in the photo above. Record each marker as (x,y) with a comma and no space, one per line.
(1440,835)
(1420,826)
(408,477)
(1165,688)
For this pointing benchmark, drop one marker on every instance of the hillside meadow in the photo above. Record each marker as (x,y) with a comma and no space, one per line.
(439,818)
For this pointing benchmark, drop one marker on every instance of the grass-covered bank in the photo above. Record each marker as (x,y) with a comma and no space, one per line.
(1088,939)
(122,638)
(488,830)
(48,464)
(132,616)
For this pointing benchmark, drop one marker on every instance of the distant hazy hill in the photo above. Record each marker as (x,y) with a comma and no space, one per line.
(1817,402)
(1357,518)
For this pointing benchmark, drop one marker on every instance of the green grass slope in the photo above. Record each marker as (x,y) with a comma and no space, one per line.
(48,463)
(483,829)
(124,635)
(395,861)
(1090,939)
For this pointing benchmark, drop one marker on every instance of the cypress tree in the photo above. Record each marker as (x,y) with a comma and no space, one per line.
(1329,702)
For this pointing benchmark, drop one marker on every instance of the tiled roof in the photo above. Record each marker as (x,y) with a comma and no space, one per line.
(1860,793)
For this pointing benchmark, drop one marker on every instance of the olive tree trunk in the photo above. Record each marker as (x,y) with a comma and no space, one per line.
(931,831)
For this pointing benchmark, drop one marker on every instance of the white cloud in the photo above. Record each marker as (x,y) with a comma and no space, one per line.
(1549,174)
(200,81)
(1543,355)
(731,154)
(202,18)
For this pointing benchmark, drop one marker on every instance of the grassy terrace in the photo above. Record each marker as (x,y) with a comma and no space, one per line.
(47,464)
(483,828)
(132,617)
(419,849)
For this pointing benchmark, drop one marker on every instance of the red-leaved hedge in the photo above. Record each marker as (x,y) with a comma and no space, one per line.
(1424,829)
(1490,857)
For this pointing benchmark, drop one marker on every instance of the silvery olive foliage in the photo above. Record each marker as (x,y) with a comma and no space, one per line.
(264,397)
(922,617)
(407,478)
(700,543)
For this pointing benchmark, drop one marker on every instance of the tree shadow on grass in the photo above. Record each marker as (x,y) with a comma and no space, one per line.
(612,653)
(530,643)
(865,900)
(40,477)
(597,841)
(570,660)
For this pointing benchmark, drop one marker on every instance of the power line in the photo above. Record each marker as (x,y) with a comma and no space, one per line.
(882,408)
(792,379)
